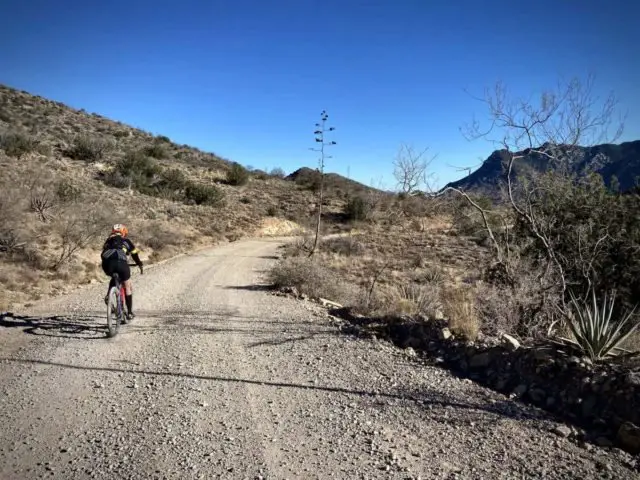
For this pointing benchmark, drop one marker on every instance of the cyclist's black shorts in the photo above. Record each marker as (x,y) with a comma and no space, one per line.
(115,265)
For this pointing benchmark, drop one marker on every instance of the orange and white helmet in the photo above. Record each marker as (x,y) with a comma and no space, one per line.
(120,229)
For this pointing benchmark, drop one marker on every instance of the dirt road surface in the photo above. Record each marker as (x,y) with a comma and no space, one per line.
(217,378)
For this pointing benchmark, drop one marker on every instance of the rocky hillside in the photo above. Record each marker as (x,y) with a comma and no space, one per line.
(69,174)
(609,160)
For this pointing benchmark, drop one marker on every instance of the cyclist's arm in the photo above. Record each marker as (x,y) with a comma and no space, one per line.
(133,251)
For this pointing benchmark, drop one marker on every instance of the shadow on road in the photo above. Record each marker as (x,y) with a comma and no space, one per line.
(259,330)
(86,327)
(429,399)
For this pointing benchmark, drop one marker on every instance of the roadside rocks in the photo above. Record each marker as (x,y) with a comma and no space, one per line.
(602,398)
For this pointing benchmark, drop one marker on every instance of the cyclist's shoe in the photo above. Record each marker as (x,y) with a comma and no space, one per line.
(130,316)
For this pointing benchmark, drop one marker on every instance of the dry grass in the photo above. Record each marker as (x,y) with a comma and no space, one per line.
(459,309)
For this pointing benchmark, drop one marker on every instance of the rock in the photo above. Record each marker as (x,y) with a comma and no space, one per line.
(328,303)
(562,431)
(510,342)
(410,352)
(480,360)
(629,437)
(445,334)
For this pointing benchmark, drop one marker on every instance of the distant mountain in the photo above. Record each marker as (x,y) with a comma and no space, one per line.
(621,161)
(334,182)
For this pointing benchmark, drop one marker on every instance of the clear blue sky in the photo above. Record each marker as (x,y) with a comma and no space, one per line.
(247,79)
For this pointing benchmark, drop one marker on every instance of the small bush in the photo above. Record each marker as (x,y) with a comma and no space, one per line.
(237,175)
(459,309)
(156,150)
(67,191)
(277,172)
(358,209)
(163,138)
(346,246)
(307,276)
(272,211)
(88,149)
(138,167)
(17,144)
(412,300)
(204,194)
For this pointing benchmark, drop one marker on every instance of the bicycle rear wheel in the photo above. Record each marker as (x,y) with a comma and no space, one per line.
(113,312)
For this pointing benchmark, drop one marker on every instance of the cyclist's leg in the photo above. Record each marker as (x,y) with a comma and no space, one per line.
(125,277)
(109,267)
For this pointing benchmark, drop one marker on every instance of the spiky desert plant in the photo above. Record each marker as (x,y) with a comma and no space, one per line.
(595,330)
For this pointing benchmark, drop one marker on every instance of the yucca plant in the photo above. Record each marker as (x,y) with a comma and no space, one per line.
(594,330)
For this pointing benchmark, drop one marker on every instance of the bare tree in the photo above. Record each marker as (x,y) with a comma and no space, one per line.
(410,169)
(321,129)
(552,129)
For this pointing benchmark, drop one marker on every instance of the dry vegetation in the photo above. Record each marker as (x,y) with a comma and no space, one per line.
(68,175)
(506,264)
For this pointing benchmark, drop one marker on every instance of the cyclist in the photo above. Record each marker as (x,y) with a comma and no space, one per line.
(114,260)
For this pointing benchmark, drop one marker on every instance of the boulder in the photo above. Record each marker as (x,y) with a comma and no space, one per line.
(629,437)
(510,342)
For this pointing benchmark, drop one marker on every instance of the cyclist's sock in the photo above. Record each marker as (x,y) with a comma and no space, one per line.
(129,300)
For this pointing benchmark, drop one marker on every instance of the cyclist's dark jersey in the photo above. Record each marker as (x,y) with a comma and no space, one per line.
(117,248)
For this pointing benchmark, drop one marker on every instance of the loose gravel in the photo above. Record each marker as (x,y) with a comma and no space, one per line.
(217,378)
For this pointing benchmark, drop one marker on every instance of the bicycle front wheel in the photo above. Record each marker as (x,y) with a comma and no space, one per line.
(113,312)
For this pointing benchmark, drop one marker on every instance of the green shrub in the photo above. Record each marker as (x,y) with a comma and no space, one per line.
(237,175)
(138,169)
(594,329)
(272,211)
(86,148)
(204,194)
(17,144)
(163,138)
(358,209)
(156,150)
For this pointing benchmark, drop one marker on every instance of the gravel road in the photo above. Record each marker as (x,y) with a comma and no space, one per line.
(217,378)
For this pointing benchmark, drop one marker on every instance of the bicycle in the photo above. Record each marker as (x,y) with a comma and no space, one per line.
(115,306)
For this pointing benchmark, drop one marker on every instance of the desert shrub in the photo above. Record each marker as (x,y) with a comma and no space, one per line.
(431,274)
(67,191)
(17,144)
(458,305)
(347,246)
(412,300)
(87,148)
(595,330)
(156,150)
(237,175)
(138,168)
(159,236)
(358,208)
(76,229)
(171,184)
(277,172)
(204,194)
(307,276)
(118,134)
(260,174)
(272,211)
(593,233)
(163,138)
